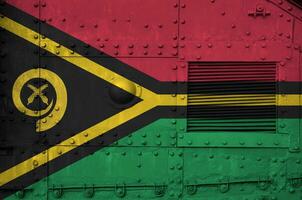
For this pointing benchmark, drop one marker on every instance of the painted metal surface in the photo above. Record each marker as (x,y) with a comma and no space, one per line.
(130,93)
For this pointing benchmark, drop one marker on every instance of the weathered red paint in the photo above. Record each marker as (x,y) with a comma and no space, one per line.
(160,37)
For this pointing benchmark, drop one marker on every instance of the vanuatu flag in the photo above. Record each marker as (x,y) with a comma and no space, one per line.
(115,99)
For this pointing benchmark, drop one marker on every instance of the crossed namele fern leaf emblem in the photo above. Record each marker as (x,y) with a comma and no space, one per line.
(37,92)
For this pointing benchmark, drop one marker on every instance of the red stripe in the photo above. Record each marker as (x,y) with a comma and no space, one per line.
(134,23)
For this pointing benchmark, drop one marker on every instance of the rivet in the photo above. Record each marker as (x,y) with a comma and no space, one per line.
(35,163)
(59,151)
(211,156)
(173,135)
(210,45)
(71,141)
(291,190)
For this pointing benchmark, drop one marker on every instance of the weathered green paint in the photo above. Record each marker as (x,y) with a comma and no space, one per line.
(155,163)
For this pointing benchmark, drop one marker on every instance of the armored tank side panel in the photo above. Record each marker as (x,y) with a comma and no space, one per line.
(151,99)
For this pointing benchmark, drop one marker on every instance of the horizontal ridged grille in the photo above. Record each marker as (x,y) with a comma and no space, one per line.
(231,97)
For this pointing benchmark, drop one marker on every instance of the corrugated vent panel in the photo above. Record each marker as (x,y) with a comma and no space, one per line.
(231,97)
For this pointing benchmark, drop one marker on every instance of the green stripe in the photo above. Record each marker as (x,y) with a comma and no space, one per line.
(149,163)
